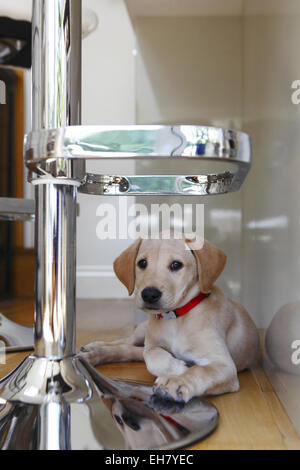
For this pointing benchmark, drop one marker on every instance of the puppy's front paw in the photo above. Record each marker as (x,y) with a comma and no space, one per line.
(174,388)
(93,353)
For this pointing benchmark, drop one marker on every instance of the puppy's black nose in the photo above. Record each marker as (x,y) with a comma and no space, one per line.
(151,295)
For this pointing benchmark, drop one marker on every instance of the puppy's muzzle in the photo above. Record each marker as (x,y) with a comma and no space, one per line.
(151,295)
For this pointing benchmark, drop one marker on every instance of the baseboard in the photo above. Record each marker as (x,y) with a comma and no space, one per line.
(99,282)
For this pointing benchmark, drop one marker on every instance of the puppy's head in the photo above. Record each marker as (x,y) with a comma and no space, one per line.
(166,274)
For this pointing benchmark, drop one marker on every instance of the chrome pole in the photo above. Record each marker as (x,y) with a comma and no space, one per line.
(56,102)
(56,67)
(55,270)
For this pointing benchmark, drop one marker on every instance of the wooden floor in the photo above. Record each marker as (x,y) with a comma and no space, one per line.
(252,418)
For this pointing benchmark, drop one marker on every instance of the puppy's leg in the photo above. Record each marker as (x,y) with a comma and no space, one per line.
(218,375)
(106,353)
(121,350)
(160,362)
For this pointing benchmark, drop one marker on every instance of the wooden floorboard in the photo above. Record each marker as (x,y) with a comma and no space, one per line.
(252,418)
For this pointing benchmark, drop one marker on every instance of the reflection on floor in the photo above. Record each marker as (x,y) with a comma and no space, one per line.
(253,418)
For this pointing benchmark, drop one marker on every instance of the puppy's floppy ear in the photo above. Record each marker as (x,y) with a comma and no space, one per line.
(210,261)
(124,266)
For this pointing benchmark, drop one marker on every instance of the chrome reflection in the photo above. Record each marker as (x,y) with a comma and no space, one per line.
(160,185)
(66,404)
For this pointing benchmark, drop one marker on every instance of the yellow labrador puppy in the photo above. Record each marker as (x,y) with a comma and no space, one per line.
(196,339)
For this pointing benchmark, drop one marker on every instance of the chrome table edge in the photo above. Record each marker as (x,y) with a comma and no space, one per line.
(136,141)
(54,155)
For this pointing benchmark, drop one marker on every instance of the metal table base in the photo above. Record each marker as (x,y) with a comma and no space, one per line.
(66,404)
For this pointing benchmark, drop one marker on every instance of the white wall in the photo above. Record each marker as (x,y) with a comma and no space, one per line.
(108,98)
(16,9)
(189,70)
(271,194)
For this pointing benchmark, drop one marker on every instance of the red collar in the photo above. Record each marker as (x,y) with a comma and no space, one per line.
(179,312)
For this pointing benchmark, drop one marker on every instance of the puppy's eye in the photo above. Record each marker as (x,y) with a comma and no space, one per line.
(176,265)
(142,263)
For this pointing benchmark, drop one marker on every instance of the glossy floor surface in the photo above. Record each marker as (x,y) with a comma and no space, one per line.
(253,418)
